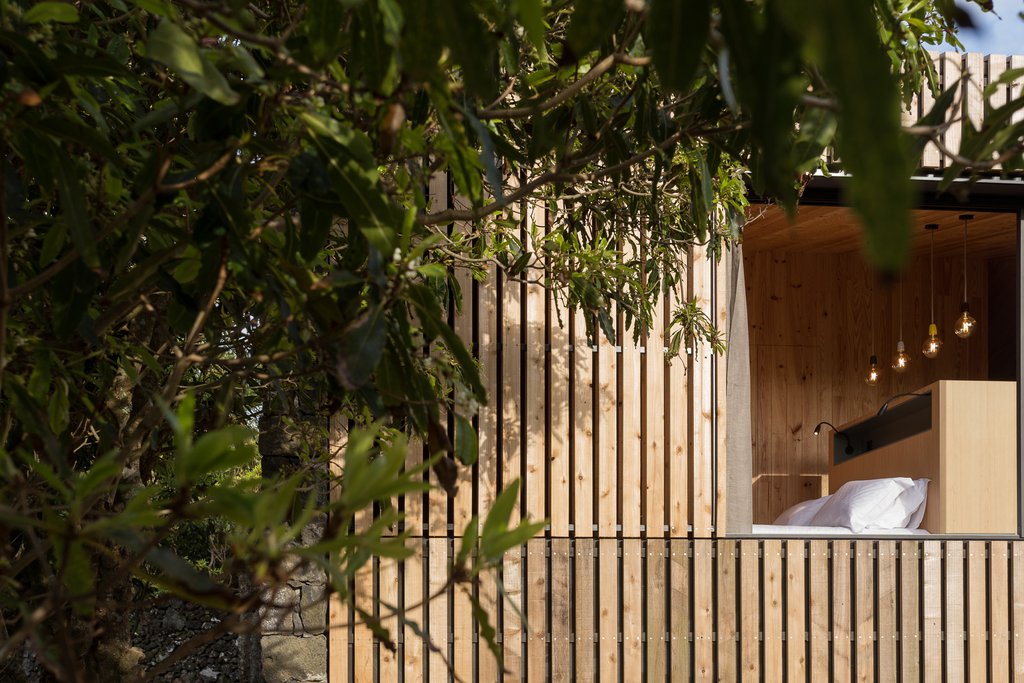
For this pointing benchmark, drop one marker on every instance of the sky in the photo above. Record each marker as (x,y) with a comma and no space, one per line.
(991,34)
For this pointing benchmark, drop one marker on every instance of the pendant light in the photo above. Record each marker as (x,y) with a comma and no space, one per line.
(965,324)
(901,360)
(871,379)
(932,343)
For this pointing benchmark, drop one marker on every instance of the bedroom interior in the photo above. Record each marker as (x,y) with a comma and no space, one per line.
(818,314)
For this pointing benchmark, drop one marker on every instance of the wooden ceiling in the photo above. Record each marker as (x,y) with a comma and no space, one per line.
(830,229)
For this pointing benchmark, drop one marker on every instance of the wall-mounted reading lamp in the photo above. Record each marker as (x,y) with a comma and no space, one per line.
(849,446)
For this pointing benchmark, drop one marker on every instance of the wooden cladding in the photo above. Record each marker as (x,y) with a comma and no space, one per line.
(700,609)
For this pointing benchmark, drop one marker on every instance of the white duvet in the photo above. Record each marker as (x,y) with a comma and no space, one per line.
(871,506)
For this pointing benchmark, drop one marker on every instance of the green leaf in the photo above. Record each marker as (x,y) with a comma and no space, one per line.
(465,441)
(471,43)
(227,447)
(57,410)
(531,16)
(323,23)
(73,208)
(361,348)
(169,44)
(44,12)
(677,32)
(78,576)
(593,22)
(501,510)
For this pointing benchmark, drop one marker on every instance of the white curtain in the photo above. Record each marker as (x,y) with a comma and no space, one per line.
(739,507)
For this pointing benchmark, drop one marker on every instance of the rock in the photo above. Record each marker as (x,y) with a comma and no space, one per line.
(173,620)
(287,659)
(209,674)
(314,609)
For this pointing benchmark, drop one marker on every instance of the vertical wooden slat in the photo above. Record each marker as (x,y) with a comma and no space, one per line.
(657,631)
(975,101)
(362,636)
(864,605)
(952,68)
(608,614)
(654,405)
(996,67)
(437,609)
(819,624)
(703,402)
(678,416)
(412,648)
(1017,590)
(750,611)
(931,157)
(727,614)
(388,601)
(512,631)
(558,403)
(583,430)
(796,617)
(887,627)
(954,609)
(586,596)
(561,615)
(437,498)
(977,611)
(338,654)
(841,617)
(462,632)
(631,438)
(721,298)
(535,391)
(1017,87)
(703,610)
(773,614)
(632,607)
(487,663)
(463,503)
(679,616)
(488,327)
(607,439)
(910,606)
(999,611)
(932,610)
(511,378)
(537,597)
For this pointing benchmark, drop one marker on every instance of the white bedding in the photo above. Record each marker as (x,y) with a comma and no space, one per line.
(787,530)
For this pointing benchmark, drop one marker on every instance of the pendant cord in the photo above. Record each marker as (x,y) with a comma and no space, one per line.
(901,307)
(965,260)
(932,268)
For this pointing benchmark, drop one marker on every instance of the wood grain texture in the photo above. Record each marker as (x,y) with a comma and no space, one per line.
(657,617)
(632,606)
(703,611)
(772,609)
(977,611)
(535,392)
(561,614)
(727,616)
(1017,615)
(886,623)
(561,478)
(819,624)
(750,611)
(512,607)
(955,659)
(702,407)
(932,610)
(680,617)
(388,594)
(654,435)
(537,598)
(413,659)
(999,610)
(910,604)
(608,618)
(842,654)
(585,650)
(437,610)
(796,612)
(607,439)
(583,431)
(678,416)
(864,610)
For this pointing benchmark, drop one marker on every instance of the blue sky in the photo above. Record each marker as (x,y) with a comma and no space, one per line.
(993,35)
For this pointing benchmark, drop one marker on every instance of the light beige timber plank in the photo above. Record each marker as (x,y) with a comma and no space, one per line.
(537,587)
(463,646)
(339,657)
(864,602)
(996,68)
(796,616)
(1017,591)
(703,407)
(388,591)
(586,601)
(512,396)
(632,606)
(910,603)
(750,610)
(561,481)
(607,439)
(974,96)
(932,596)
(535,392)
(679,617)
(773,614)
(931,157)
(678,416)
(657,625)
(952,69)
(703,610)
(886,612)
(583,430)
(608,627)
(819,625)
(1017,87)
(413,660)
(487,663)
(655,444)
(561,614)
(999,611)
(631,439)
(462,506)
(437,609)
(512,607)
(727,613)
(841,612)
(719,398)
(437,498)
(954,640)
(977,606)
(488,327)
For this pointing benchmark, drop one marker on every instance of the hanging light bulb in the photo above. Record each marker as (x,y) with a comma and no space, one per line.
(932,344)
(901,360)
(965,324)
(873,372)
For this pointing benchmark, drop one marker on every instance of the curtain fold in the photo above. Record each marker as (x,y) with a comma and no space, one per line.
(739,505)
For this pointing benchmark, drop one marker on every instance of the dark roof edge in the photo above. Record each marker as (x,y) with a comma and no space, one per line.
(985,194)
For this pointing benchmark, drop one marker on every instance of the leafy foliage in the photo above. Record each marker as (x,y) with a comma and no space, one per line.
(216,219)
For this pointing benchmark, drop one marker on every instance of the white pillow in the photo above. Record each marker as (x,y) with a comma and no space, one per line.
(920,491)
(871,504)
(802,513)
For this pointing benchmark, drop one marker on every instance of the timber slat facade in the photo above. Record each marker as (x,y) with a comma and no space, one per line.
(623,452)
